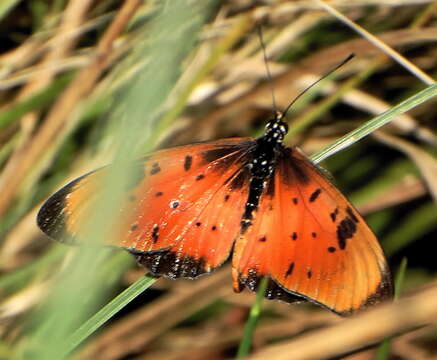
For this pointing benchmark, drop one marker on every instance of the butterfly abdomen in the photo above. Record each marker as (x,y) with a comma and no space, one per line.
(262,167)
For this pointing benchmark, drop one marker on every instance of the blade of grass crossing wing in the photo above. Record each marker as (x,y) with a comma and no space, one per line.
(79,288)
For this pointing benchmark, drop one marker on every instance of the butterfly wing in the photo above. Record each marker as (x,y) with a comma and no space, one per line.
(312,243)
(181,214)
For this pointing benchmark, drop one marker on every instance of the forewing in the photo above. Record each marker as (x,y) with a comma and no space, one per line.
(180,214)
(318,247)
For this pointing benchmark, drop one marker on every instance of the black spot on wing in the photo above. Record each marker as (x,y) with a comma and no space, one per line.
(155,233)
(315,195)
(170,264)
(200,177)
(188,162)
(263,239)
(155,169)
(159,193)
(294,236)
(134,227)
(227,196)
(314,235)
(309,274)
(331,249)
(295,201)
(289,270)
(334,215)
(351,214)
(137,175)
(345,230)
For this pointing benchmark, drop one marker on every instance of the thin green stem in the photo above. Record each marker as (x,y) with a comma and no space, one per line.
(108,311)
(383,352)
(375,123)
(249,327)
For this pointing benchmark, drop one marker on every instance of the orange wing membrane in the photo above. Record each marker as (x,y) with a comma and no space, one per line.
(311,242)
(180,217)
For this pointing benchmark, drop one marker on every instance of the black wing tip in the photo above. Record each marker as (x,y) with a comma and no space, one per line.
(384,293)
(51,217)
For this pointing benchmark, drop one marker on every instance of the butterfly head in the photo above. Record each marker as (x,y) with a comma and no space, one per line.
(276,129)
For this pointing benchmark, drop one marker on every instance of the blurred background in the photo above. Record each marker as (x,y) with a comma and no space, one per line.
(85,82)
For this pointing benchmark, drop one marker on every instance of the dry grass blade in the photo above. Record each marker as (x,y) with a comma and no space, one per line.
(378,43)
(56,119)
(407,190)
(73,17)
(359,99)
(286,84)
(349,335)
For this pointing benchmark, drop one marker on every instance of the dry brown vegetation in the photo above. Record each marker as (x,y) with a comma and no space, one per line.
(65,70)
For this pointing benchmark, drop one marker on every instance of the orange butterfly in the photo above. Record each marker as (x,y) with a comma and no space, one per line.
(266,204)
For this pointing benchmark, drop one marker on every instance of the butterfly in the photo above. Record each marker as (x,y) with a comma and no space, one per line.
(265,205)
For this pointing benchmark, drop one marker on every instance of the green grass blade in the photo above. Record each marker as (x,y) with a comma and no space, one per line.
(6,6)
(400,277)
(383,351)
(34,102)
(24,275)
(249,327)
(108,311)
(376,123)
(416,224)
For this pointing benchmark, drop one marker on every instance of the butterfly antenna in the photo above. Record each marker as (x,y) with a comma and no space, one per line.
(269,75)
(317,81)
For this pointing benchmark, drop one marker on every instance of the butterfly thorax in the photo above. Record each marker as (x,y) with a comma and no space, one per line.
(276,129)
(267,147)
(262,165)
